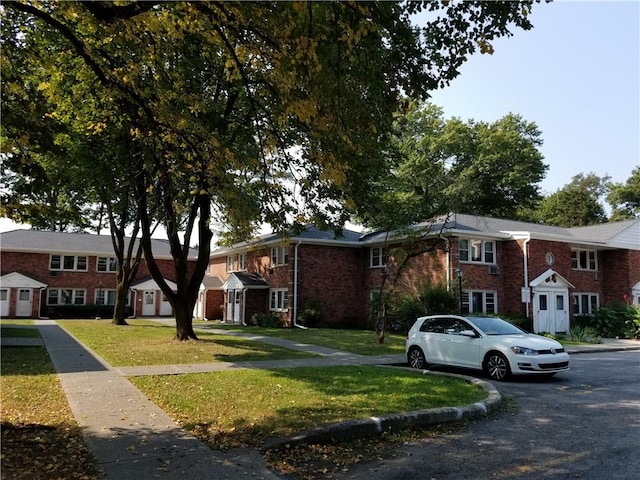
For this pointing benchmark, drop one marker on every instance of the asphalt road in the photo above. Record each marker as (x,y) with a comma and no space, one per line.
(581,424)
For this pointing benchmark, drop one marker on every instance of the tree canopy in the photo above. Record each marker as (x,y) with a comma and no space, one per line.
(440,165)
(576,204)
(625,197)
(234,112)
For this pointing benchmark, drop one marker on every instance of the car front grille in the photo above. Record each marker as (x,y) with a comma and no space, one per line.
(549,352)
(553,366)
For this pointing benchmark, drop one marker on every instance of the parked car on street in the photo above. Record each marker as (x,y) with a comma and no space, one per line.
(491,344)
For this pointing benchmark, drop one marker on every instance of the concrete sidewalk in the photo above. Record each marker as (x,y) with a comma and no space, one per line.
(131,437)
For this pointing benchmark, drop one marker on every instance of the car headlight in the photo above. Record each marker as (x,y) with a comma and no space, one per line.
(524,351)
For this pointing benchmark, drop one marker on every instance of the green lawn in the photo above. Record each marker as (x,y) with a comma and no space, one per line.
(362,342)
(246,407)
(145,342)
(28,332)
(40,437)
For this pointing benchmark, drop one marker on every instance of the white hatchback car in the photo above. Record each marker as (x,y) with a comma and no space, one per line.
(488,343)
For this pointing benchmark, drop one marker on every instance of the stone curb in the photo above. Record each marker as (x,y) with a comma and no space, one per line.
(392,423)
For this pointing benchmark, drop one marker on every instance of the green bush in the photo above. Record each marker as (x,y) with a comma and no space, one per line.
(584,335)
(311,314)
(430,300)
(266,320)
(632,324)
(609,321)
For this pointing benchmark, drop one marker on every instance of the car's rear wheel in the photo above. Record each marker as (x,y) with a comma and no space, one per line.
(497,366)
(416,358)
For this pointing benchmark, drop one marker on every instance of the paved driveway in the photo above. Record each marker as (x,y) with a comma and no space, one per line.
(582,424)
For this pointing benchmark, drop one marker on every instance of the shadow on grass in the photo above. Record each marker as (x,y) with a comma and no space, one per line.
(252,350)
(45,451)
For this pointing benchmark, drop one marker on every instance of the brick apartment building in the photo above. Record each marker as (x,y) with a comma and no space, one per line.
(44,272)
(547,273)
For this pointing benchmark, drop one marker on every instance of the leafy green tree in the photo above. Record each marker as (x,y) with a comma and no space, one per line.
(441,165)
(249,112)
(576,204)
(625,197)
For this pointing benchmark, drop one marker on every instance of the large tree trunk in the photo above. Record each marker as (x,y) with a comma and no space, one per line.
(119,313)
(184,322)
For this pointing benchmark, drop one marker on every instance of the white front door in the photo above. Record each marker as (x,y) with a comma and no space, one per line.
(149,303)
(233,306)
(551,311)
(24,303)
(5,297)
(165,307)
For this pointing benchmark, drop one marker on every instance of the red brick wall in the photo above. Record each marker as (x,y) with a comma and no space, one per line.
(620,272)
(36,266)
(214,305)
(332,276)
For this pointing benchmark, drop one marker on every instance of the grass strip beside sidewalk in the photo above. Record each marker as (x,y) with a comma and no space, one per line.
(40,437)
(361,342)
(246,407)
(144,342)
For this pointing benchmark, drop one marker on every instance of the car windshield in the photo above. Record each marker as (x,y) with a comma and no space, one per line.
(495,326)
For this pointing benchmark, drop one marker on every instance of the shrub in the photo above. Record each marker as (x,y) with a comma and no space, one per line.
(429,300)
(609,321)
(584,335)
(311,314)
(266,320)
(632,324)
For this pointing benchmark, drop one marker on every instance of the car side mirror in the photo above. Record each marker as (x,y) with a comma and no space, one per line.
(468,333)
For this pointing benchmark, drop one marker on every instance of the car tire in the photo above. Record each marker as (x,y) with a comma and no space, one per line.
(416,358)
(497,366)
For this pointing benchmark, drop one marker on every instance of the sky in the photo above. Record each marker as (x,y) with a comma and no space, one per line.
(576,74)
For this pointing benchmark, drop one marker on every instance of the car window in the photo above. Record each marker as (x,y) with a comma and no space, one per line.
(435,325)
(456,326)
(496,326)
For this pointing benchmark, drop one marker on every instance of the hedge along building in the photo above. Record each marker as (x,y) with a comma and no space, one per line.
(546,273)
(55,274)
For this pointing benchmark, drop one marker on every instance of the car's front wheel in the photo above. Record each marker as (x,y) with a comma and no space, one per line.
(416,358)
(497,366)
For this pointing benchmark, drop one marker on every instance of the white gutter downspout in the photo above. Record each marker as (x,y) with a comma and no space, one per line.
(294,319)
(244,306)
(525,258)
(448,257)
(40,317)
(135,302)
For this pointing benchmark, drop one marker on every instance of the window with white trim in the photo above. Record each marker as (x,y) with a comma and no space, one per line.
(378,257)
(585,303)
(107,296)
(475,250)
(479,301)
(279,299)
(242,262)
(584,259)
(107,264)
(279,256)
(237,263)
(66,296)
(68,262)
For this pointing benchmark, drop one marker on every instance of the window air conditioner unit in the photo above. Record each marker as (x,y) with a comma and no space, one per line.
(493,269)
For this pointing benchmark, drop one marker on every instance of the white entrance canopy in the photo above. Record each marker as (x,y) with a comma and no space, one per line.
(17,280)
(151,284)
(551,279)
